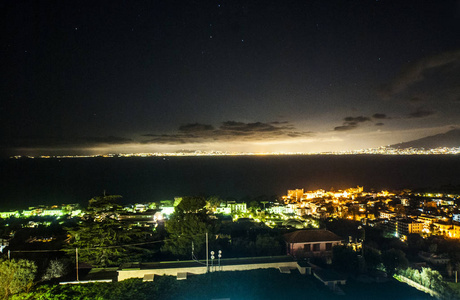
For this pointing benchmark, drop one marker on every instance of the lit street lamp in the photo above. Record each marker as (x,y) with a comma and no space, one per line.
(212,259)
(219,256)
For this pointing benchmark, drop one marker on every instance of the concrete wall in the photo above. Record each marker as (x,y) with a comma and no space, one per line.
(125,274)
(290,264)
(304,270)
(331,282)
(419,287)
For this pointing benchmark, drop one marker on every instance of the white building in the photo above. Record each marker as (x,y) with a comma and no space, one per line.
(3,244)
(280,209)
(237,207)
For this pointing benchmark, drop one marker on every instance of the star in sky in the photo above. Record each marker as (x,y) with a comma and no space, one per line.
(313,65)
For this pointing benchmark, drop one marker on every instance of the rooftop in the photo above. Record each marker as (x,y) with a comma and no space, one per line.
(311,235)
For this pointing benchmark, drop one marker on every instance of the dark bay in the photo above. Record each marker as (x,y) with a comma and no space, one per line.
(30,182)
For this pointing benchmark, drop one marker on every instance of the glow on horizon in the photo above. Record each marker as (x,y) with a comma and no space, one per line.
(319,142)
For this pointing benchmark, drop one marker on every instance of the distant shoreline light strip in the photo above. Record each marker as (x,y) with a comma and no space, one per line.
(372,151)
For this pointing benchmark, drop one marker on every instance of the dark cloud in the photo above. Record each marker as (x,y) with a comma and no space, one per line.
(228,131)
(169,139)
(359,119)
(351,123)
(345,127)
(195,127)
(421,113)
(296,134)
(380,116)
(415,72)
(241,127)
(188,133)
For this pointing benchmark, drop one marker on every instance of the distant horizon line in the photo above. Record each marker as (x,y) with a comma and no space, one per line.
(383,150)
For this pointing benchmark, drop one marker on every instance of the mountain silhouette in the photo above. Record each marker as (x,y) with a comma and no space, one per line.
(449,139)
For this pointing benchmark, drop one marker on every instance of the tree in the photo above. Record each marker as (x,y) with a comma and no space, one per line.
(102,207)
(56,269)
(433,248)
(16,276)
(188,225)
(431,279)
(183,231)
(196,205)
(243,247)
(457,267)
(100,236)
(414,242)
(416,276)
(254,205)
(344,259)
(393,259)
(449,269)
(372,257)
(425,277)
(267,245)
(437,281)
(213,202)
(97,241)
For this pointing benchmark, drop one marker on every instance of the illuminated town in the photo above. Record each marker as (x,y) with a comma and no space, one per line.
(324,227)
(190,150)
(401,213)
(371,151)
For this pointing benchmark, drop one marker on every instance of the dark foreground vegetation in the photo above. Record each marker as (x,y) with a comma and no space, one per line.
(31,267)
(256,284)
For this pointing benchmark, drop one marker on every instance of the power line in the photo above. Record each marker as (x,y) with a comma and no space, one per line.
(105,247)
(23,251)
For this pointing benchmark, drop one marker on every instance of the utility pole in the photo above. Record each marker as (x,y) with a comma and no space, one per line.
(207,253)
(76,256)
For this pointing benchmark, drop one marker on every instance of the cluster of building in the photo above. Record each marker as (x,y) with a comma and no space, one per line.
(400,213)
(43,211)
(384,150)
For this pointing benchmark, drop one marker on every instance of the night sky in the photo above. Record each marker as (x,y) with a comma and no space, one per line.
(297,76)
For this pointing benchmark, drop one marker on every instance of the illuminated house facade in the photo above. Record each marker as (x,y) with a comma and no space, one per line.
(447,230)
(387,214)
(404,227)
(237,207)
(312,242)
(3,244)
